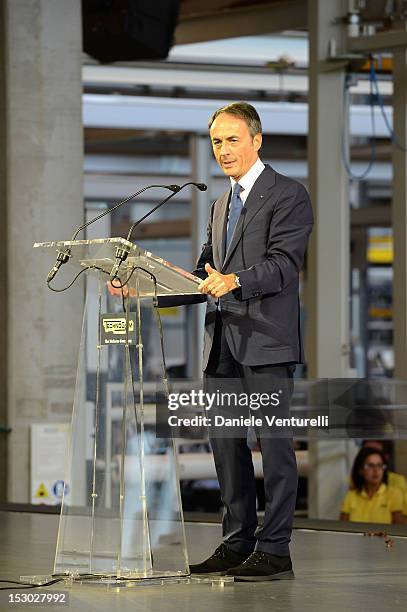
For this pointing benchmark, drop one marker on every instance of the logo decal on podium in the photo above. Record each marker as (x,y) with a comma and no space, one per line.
(114,328)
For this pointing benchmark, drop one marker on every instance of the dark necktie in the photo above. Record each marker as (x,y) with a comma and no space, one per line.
(236,207)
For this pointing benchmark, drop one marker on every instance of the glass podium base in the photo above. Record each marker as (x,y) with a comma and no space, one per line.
(132,580)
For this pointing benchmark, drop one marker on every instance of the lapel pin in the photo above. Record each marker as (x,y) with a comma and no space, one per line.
(262,196)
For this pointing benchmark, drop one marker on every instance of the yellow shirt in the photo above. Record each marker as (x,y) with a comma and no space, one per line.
(376,509)
(399,481)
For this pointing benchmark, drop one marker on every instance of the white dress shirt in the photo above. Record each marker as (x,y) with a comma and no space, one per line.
(247,181)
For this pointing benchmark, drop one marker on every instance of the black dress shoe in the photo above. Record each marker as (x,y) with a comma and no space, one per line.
(261,566)
(222,559)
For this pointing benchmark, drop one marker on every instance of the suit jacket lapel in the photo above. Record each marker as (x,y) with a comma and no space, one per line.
(219,229)
(255,201)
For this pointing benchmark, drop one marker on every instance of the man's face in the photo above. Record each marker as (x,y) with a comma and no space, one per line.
(233,146)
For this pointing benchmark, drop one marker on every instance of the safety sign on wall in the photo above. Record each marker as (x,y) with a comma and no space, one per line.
(48,448)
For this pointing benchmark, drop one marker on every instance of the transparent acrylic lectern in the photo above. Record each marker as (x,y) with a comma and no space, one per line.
(121,514)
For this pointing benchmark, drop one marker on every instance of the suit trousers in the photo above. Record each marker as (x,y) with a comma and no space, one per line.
(234,465)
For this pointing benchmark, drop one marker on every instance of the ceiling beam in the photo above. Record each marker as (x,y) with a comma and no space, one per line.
(384,41)
(246,21)
(191,115)
(168,228)
(371,216)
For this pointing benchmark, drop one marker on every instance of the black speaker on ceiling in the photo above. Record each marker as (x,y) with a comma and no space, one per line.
(126,30)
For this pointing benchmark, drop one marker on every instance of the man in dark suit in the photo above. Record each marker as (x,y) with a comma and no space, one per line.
(256,239)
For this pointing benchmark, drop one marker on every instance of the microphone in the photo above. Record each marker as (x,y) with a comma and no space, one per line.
(201,186)
(64,256)
(122,252)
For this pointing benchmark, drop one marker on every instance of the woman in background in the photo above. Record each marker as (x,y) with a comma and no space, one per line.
(371,500)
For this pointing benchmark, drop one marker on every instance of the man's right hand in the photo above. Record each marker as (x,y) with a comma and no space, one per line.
(117,291)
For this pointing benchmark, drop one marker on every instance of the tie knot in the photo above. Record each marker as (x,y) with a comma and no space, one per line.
(237,189)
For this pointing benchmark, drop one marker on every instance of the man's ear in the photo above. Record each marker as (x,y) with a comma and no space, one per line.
(257,140)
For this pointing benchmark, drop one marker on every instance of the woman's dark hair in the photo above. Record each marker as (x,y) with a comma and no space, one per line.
(360,459)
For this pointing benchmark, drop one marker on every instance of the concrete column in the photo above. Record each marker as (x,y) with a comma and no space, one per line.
(201,155)
(327,298)
(399,219)
(3,262)
(399,213)
(328,277)
(43,201)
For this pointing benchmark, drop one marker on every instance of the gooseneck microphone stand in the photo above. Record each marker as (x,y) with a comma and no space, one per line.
(64,256)
(122,252)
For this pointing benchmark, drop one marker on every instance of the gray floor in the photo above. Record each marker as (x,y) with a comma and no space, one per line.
(334,572)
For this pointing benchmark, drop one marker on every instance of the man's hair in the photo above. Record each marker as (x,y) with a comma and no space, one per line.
(244,111)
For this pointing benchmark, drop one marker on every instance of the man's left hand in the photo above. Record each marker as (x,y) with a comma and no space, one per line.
(217,284)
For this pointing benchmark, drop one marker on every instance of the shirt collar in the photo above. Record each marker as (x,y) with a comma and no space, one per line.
(247,181)
(379,491)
